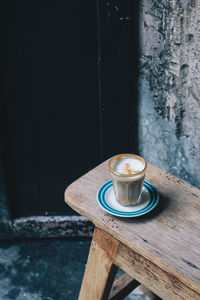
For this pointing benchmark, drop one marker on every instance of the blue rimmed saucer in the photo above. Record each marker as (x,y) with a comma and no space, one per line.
(148,200)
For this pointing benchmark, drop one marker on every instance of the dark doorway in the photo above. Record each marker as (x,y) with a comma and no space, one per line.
(68,95)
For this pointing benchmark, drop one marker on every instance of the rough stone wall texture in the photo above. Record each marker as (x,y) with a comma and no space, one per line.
(169,86)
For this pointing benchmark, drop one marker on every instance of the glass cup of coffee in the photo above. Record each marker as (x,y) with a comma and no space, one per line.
(128,173)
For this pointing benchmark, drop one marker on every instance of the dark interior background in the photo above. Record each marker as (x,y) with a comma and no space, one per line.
(68,95)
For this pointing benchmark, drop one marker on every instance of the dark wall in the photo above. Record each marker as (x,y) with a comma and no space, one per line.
(66,95)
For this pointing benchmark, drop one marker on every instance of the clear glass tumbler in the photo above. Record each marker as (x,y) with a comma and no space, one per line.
(128,173)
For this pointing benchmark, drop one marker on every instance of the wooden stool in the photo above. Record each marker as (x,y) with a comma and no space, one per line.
(160,250)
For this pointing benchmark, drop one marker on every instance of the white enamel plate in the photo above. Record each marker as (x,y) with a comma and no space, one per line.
(148,200)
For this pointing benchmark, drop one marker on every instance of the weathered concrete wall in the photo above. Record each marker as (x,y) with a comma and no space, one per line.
(169,86)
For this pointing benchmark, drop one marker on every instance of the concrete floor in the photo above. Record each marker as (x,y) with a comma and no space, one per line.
(44,269)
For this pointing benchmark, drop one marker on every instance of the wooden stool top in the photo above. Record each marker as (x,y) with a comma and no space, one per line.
(169,236)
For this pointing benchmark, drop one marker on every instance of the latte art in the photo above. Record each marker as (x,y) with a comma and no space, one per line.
(128,166)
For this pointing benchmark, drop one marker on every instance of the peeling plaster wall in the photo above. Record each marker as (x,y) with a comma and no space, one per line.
(169,86)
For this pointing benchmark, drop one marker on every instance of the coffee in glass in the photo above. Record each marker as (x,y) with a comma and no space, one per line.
(128,173)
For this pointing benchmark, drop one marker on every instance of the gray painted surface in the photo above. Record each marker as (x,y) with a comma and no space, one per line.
(169,90)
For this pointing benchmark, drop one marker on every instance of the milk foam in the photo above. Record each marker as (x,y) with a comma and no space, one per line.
(128,166)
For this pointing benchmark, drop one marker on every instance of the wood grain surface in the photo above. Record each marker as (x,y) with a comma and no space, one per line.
(154,278)
(100,271)
(168,237)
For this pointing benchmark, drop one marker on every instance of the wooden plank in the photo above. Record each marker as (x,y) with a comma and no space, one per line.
(122,287)
(100,271)
(162,236)
(164,285)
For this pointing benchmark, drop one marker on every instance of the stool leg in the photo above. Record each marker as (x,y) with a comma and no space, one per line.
(100,270)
